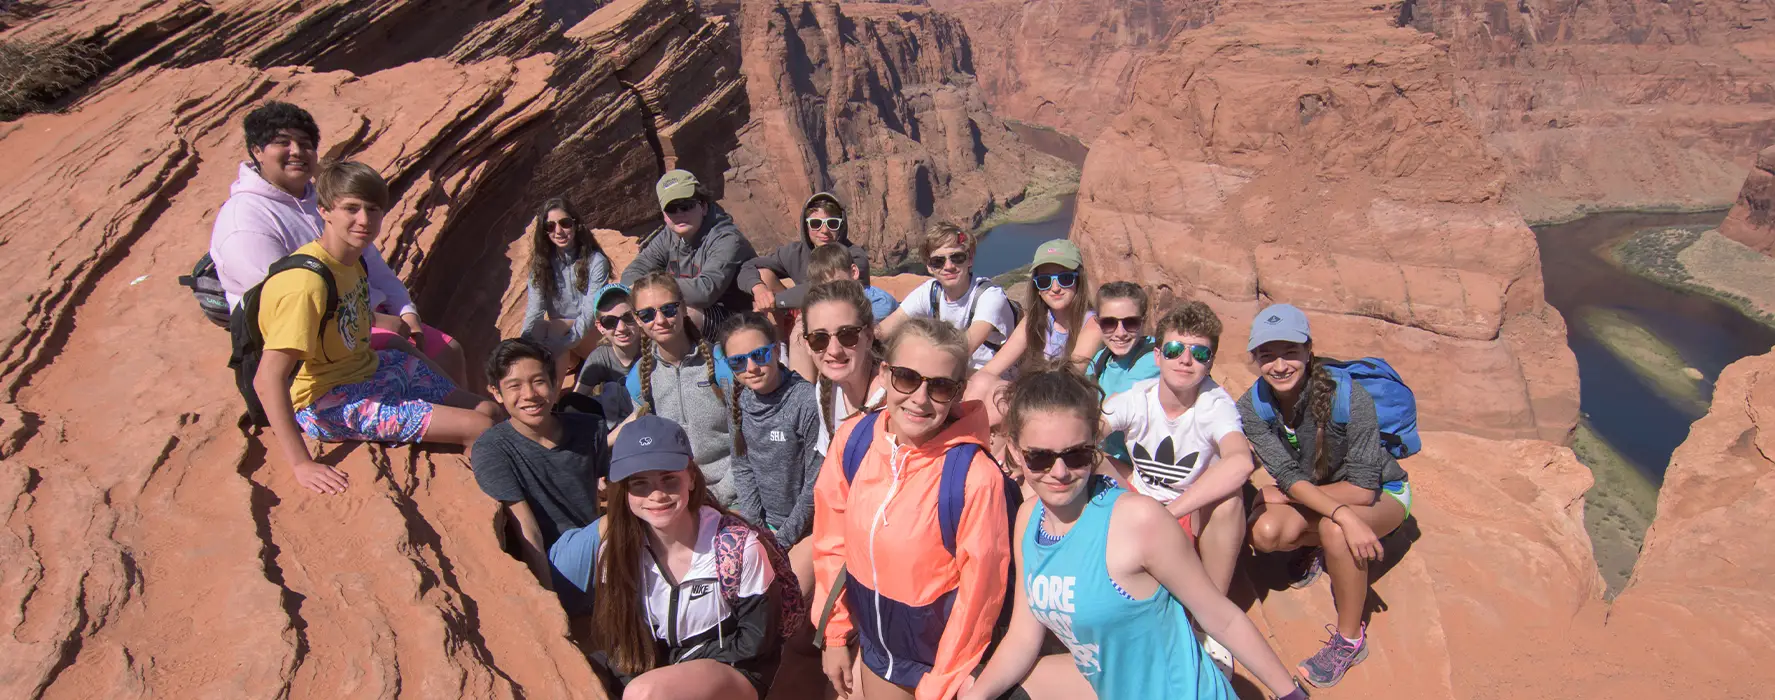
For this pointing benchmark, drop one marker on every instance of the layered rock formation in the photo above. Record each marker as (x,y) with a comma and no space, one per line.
(1613,104)
(1313,153)
(1068,65)
(876,103)
(1752,219)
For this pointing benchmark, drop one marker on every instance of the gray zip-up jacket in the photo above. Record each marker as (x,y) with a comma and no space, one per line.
(775,478)
(681,392)
(1356,452)
(705,265)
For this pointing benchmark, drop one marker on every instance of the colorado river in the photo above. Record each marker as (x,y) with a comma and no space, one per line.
(1628,408)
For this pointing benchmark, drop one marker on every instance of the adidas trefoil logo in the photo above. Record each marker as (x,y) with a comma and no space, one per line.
(1163,470)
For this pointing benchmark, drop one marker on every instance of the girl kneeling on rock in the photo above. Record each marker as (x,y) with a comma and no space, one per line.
(683,596)
(1337,489)
(1098,566)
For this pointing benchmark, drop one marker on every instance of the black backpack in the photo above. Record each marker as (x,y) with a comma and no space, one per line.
(249,343)
(207,288)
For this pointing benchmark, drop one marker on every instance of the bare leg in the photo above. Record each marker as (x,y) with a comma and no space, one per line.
(454,362)
(691,680)
(459,419)
(1349,575)
(1220,534)
(1055,677)
(801,561)
(875,688)
(1278,528)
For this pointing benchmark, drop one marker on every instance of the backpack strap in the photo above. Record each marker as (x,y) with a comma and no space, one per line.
(1340,404)
(952,491)
(303,261)
(730,555)
(1263,400)
(858,444)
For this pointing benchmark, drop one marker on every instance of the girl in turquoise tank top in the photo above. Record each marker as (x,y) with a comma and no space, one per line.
(1099,568)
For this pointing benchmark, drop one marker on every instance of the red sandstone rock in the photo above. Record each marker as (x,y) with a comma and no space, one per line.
(1313,153)
(1752,219)
(1070,66)
(875,103)
(1597,105)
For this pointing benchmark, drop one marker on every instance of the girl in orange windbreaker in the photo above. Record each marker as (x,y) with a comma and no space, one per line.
(910,507)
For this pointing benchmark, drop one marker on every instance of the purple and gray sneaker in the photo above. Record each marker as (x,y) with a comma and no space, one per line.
(1327,667)
(1306,568)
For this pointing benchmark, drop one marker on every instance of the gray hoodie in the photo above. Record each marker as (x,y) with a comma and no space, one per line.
(775,478)
(569,302)
(790,260)
(705,265)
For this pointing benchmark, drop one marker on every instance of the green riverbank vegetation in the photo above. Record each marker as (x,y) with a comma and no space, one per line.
(1617,509)
(1655,361)
(1701,261)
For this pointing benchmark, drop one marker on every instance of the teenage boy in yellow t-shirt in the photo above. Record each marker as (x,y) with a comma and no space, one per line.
(343,390)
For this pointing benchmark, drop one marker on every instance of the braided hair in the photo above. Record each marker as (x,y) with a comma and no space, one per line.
(747,321)
(662,280)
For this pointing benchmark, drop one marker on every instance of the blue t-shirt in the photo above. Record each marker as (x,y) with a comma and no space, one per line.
(881,303)
(1121,374)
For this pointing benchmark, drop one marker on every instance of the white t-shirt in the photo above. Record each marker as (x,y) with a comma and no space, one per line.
(1170,454)
(994,308)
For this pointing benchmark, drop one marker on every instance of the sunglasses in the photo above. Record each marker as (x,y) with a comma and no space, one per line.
(609,322)
(906,381)
(1129,323)
(830,224)
(763,356)
(561,224)
(1040,461)
(847,336)
(670,311)
(1175,349)
(679,206)
(1065,279)
(935,262)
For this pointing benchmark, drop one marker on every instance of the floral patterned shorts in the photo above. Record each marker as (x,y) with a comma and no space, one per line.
(394,405)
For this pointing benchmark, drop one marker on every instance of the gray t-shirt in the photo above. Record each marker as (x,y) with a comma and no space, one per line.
(602,366)
(560,484)
(774,481)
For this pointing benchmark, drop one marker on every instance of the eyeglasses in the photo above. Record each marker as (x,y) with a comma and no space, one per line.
(670,311)
(830,224)
(1040,461)
(1175,349)
(679,206)
(935,262)
(609,322)
(763,356)
(1128,323)
(1066,280)
(906,381)
(561,225)
(847,336)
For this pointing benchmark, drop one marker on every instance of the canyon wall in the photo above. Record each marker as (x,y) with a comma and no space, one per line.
(1622,103)
(877,104)
(1752,219)
(1314,153)
(1069,66)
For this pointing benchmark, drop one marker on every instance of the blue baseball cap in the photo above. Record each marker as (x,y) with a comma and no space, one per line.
(649,444)
(607,290)
(1279,322)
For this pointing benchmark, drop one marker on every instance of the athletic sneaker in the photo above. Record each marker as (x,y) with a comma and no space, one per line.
(1327,667)
(1223,657)
(1306,568)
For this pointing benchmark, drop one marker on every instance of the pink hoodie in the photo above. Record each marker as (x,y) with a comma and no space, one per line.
(261,223)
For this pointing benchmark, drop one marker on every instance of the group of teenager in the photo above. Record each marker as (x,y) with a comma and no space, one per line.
(719,454)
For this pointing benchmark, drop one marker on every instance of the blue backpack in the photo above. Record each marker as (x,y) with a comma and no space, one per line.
(1394,405)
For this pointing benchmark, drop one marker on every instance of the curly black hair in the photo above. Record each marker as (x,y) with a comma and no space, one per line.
(262,124)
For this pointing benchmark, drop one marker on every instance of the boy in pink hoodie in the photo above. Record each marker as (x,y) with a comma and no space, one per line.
(271,211)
